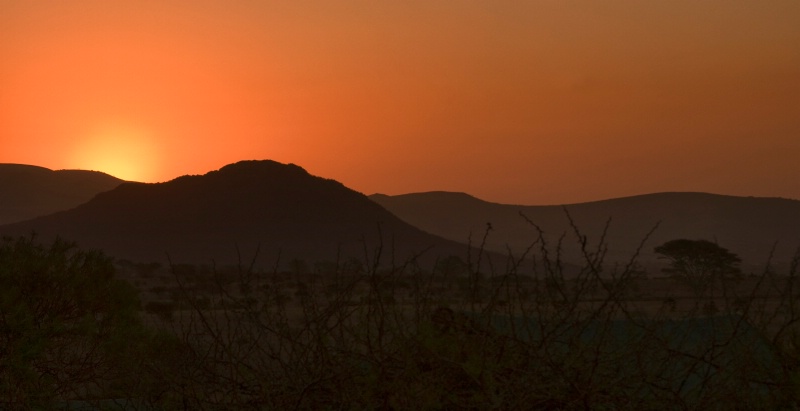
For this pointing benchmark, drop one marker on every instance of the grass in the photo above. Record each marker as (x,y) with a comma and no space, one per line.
(528,332)
(531,335)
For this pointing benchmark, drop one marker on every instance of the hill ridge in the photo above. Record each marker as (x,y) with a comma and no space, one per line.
(29,191)
(279,207)
(465,195)
(749,226)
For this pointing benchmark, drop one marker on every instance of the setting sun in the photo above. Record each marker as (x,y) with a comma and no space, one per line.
(531,102)
(123,152)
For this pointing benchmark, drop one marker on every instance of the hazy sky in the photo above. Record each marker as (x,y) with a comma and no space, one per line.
(533,102)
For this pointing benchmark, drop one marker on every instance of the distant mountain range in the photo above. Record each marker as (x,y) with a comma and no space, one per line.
(200,219)
(288,212)
(30,191)
(747,226)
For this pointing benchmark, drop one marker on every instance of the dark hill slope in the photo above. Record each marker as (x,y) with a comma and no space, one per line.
(197,219)
(745,225)
(30,191)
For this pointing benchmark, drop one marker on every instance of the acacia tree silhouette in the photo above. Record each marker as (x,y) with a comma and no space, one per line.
(699,263)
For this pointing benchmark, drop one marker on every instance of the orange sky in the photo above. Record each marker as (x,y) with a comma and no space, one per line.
(534,102)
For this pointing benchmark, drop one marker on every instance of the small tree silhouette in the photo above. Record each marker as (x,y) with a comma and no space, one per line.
(700,263)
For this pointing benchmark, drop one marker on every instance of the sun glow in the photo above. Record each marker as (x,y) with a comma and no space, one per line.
(122,152)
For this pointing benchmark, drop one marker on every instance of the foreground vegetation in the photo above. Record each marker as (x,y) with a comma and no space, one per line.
(530,332)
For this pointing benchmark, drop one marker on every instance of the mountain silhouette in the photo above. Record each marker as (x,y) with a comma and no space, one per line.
(280,208)
(30,191)
(747,226)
